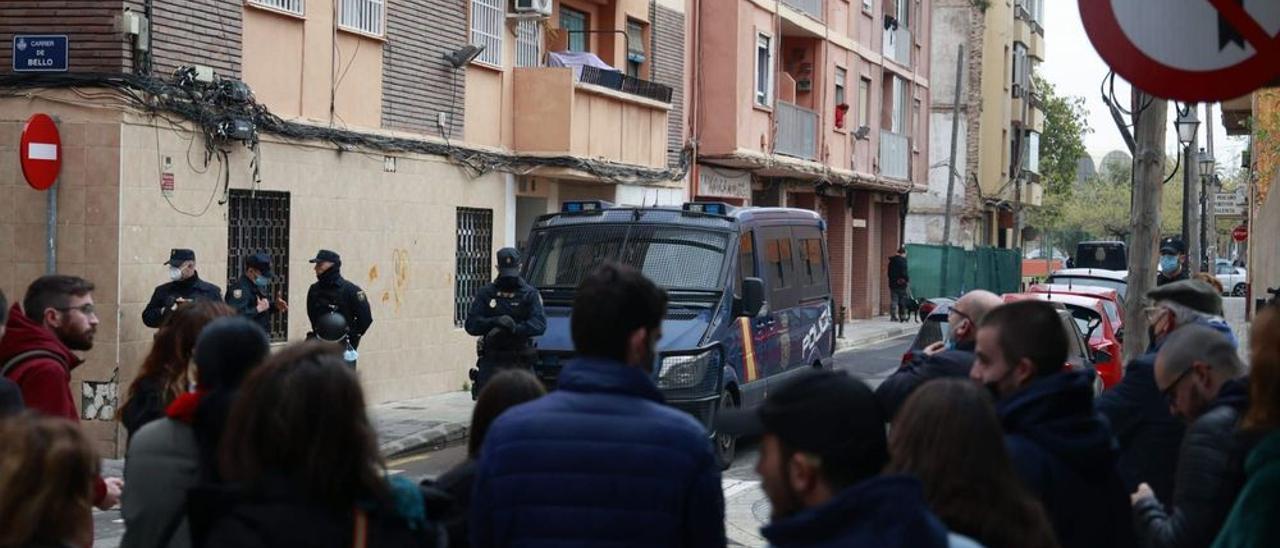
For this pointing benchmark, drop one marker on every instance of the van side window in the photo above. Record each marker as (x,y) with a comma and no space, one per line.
(812,266)
(778,257)
(780,268)
(746,259)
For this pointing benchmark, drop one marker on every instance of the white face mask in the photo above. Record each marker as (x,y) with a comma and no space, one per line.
(175,273)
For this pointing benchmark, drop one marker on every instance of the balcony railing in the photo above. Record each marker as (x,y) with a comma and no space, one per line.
(797,131)
(895,155)
(811,7)
(897,46)
(618,81)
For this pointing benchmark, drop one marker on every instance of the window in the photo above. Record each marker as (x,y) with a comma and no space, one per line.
(746,259)
(898,110)
(296,7)
(1021,76)
(841,75)
(258,222)
(487,29)
(764,70)
(474,246)
(362,15)
(528,44)
(1031,152)
(864,102)
(635,48)
(574,22)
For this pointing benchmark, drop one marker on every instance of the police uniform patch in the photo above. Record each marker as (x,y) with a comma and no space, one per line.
(360,296)
(237,294)
(493,303)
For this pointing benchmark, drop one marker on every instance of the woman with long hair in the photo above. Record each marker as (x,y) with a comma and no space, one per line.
(947,434)
(47,474)
(506,389)
(1252,521)
(301,464)
(164,373)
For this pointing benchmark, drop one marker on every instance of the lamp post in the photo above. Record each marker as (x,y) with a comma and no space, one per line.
(1187,124)
(1206,217)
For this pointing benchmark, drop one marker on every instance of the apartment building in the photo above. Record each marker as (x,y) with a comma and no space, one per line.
(411,154)
(816,104)
(1001,119)
(1257,116)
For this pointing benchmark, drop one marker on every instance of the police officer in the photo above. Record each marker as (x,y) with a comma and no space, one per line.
(507,314)
(1173,261)
(251,294)
(333,293)
(184,285)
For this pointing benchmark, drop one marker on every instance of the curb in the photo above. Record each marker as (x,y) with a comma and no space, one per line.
(432,439)
(849,343)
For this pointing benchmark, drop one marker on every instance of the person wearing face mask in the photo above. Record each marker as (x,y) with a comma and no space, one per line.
(507,314)
(1148,434)
(950,358)
(1173,261)
(333,294)
(184,285)
(601,461)
(1061,448)
(251,294)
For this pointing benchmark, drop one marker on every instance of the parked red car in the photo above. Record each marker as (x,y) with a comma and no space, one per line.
(1092,319)
(1112,301)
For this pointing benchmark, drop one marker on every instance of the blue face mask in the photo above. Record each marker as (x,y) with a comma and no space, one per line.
(262,282)
(1168,263)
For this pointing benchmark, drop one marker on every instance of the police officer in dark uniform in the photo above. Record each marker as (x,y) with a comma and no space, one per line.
(184,285)
(251,294)
(507,314)
(333,293)
(1173,261)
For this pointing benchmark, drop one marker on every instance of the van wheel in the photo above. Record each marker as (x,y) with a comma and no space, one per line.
(1238,290)
(726,444)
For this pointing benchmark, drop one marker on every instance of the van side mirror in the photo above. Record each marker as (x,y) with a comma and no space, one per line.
(752,297)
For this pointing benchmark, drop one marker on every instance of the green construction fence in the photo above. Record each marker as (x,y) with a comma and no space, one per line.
(994,269)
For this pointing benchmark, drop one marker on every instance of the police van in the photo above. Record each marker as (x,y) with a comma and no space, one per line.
(749,296)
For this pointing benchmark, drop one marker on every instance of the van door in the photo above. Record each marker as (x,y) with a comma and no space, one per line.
(812,319)
(746,347)
(782,285)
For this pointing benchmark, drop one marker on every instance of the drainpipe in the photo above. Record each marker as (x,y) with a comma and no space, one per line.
(51,229)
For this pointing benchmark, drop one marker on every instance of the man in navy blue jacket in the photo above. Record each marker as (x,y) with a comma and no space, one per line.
(601,461)
(1060,446)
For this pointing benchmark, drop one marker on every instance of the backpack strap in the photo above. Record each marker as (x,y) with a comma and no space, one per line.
(22,357)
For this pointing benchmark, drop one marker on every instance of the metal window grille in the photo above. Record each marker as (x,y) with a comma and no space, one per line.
(475,243)
(258,222)
(487,29)
(529,44)
(367,16)
(292,6)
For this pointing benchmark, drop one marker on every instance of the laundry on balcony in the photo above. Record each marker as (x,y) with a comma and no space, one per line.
(588,68)
(576,60)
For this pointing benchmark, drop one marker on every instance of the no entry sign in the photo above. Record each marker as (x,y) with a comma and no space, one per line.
(40,152)
(1240,234)
(1188,50)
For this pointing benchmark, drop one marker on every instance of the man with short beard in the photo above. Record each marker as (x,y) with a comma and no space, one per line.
(57,317)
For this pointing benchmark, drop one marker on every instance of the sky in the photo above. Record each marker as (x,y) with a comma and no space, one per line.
(1074,68)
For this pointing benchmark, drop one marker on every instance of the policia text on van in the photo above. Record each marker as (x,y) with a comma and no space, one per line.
(750,300)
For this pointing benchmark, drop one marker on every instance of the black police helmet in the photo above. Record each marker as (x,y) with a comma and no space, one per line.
(331,327)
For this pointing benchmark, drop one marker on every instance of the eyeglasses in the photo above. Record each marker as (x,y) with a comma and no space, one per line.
(1169,393)
(87,309)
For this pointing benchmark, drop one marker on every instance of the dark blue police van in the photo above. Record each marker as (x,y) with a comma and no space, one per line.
(750,300)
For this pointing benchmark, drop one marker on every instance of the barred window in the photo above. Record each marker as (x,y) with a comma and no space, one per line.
(475,244)
(529,44)
(365,16)
(487,28)
(258,222)
(295,7)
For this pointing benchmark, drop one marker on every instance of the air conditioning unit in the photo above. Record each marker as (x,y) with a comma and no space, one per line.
(532,7)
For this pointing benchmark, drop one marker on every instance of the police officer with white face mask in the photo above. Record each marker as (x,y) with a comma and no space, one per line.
(184,285)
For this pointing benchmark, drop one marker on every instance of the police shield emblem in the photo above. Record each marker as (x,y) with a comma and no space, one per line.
(237,294)
(360,296)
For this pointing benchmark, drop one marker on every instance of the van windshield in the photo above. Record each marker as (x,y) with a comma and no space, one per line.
(675,258)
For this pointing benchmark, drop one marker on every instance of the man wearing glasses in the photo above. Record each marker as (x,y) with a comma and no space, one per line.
(1149,435)
(56,319)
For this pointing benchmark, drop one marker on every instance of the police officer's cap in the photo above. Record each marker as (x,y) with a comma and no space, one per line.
(326,256)
(508,262)
(1173,246)
(260,261)
(179,256)
(331,327)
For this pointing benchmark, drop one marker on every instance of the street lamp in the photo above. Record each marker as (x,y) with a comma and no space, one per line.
(1206,215)
(1206,163)
(1188,123)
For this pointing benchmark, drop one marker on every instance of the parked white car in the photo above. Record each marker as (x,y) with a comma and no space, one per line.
(1233,278)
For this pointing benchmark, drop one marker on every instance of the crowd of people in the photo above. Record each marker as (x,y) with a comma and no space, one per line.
(989,440)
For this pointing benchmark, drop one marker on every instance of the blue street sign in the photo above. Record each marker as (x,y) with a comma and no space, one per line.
(40,53)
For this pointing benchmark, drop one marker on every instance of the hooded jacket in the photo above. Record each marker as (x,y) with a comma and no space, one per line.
(884,511)
(1210,475)
(45,380)
(162,464)
(955,363)
(1149,436)
(1065,454)
(1252,522)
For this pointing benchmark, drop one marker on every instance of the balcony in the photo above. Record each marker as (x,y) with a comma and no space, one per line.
(602,114)
(797,131)
(897,46)
(813,8)
(895,155)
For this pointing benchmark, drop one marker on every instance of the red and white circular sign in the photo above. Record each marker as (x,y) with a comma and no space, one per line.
(1240,234)
(1188,50)
(40,152)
